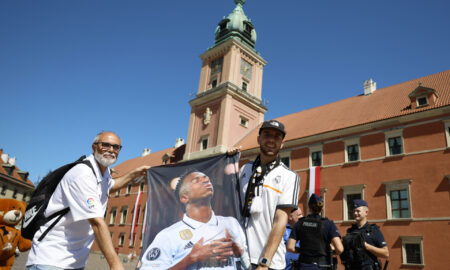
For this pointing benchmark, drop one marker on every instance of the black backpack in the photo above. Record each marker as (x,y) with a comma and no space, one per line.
(34,216)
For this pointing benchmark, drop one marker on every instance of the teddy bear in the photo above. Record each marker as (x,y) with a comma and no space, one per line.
(11,214)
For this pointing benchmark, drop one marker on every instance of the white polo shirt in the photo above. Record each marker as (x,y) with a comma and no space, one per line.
(280,189)
(174,243)
(67,245)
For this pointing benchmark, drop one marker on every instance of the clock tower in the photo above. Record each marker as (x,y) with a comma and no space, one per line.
(228,102)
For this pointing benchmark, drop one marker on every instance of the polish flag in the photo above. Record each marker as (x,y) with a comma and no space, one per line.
(135,216)
(314,181)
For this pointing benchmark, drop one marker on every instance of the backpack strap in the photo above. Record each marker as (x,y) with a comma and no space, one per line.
(64,211)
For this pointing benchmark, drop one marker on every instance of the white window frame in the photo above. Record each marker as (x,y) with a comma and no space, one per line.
(417,101)
(123,218)
(412,240)
(286,154)
(348,190)
(121,239)
(245,120)
(312,149)
(397,185)
(392,134)
(349,142)
(201,142)
(447,133)
(142,186)
(112,218)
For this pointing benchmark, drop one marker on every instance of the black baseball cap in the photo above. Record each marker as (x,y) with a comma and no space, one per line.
(274,124)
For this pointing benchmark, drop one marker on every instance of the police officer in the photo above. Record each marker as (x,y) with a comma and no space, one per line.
(291,258)
(372,242)
(315,234)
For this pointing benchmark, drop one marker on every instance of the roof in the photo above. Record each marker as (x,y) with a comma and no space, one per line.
(153,159)
(384,103)
(14,173)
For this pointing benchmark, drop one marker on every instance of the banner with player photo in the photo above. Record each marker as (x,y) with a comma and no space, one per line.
(193,217)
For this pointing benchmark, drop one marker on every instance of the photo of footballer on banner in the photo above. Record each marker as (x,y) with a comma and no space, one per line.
(193,217)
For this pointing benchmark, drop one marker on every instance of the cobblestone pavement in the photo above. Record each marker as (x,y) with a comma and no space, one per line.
(95,262)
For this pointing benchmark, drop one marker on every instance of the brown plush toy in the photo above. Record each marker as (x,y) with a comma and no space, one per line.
(11,213)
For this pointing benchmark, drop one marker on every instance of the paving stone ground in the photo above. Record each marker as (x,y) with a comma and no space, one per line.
(95,262)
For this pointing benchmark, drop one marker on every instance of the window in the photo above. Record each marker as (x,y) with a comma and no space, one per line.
(15,194)
(422,101)
(112,217)
(123,217)
(204,143)
(244,86)
(447,132)
(214,83)
(118,193)
(353,152)
(399,203)
(286,158)
(141,186)
(244,122)
(398,199)
(351,193)
(412,250)
(121,239)
(395,146)
(316,158)
(394,142)
(3,190)
(129,189)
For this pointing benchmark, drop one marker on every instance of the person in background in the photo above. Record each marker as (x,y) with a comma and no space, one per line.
(291,258)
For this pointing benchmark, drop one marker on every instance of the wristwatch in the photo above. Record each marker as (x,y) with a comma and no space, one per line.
(264,262)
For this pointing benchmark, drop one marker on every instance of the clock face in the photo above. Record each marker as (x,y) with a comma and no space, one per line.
(246,69)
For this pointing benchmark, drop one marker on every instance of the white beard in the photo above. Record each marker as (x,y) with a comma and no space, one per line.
(105,161)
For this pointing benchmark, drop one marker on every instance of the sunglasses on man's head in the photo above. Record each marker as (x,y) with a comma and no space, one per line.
(107,146)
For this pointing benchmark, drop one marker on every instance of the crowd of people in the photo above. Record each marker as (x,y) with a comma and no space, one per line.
(273,235)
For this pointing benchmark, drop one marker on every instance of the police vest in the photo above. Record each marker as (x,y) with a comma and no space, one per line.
(354,251)
(309,232)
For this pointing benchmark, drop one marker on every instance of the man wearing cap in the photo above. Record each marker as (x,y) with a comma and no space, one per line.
(372,241)
(315,234)
(270,192)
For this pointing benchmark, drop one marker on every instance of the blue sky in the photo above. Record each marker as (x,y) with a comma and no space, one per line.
(69,69)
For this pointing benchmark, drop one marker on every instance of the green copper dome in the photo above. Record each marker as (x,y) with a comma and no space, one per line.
(236,25)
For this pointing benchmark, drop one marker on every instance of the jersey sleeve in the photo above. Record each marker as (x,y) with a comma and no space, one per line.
(289,195)
(158,254)
(83,195)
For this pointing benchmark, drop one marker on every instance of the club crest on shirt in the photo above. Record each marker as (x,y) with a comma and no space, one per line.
(278,179)
(90,203)
(153,254)
(186,234)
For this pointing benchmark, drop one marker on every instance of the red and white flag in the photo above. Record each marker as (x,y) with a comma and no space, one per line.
(314,181)
(135,217)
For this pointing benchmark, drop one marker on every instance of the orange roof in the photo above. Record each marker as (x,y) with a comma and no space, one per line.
(14,172)
(385,103)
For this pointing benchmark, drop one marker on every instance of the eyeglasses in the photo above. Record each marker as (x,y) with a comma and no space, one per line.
(107,146)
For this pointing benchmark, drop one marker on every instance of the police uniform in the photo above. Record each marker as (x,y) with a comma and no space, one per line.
(374,237)
(290,257)
(315,234)
(174,243)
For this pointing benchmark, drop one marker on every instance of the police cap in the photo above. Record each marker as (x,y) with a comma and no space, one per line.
(358,203)
(314,199)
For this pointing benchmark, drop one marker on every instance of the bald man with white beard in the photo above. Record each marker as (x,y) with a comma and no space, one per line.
(85,192)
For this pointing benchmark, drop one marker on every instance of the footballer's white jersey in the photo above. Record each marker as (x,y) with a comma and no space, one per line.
(280,190)
(172,244)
